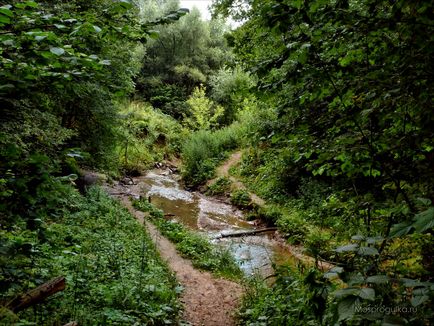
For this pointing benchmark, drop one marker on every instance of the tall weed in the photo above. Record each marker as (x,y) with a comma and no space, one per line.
(204,149)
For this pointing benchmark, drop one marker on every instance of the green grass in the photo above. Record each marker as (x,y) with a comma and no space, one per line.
(113,273)
(204,149)
(220,187)
(193,246)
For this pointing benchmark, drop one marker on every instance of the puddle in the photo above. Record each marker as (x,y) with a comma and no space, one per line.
(254,254)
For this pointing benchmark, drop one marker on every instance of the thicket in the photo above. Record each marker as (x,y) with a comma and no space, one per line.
(147,136)
(113,273)
(203,150)
(64,67)
(350,146)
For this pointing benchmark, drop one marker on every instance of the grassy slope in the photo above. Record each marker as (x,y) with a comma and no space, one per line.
(113,272)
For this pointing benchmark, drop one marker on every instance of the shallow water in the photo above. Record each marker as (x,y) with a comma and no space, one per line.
(254,254)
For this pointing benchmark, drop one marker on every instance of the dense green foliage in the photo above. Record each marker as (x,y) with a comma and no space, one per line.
(64,67)
(202,151)
(348,87)
(330,100)
(147,136)
(112,270)
(183,56)
(193,246)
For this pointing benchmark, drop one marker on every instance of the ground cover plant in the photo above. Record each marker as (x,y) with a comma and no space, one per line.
(191,245)
(113,273)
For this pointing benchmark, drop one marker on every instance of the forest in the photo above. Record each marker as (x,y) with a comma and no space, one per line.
(311,119)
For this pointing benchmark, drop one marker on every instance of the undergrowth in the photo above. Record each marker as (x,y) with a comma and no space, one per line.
(191,245)
(113,273)
(295,298)
(204,149)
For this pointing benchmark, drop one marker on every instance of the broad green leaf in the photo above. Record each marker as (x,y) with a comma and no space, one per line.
(367,294)
(4,19)
(348,248)
(347,307)
(400,229)
(57,51)
(6,11)
(342,293)
(424,220)
(377,279)
(418,300)
(31,4)
(367,251)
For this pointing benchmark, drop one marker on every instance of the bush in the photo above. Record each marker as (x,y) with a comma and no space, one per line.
(113,272)
(147,136)
(293,227)
(203,150)
(220,187)
(295,298)
(241,198)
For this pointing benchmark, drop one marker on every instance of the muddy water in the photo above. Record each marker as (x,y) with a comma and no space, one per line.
(254,254)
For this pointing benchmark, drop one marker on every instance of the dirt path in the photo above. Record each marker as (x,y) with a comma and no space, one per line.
(223,171)
(296,251)
(207,300)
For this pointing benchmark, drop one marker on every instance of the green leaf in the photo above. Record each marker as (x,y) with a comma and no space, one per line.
(347,248)
(400,229)
(349,291)
(6,11)
(57,51)
(424,220)
(4,19)
(31,4)
(377,279)
(97,29)
(347,307)
(367,294)
(367,251)
(418,300)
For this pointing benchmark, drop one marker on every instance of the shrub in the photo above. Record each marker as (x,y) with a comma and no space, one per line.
(113,273)
(241,198)
(293,227)
(220,187)
(147,136)
(203,150)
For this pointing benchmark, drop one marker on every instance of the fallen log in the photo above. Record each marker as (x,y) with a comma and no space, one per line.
(38,294)
(244,233)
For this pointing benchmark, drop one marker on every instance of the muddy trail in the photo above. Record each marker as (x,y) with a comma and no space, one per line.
(206,299)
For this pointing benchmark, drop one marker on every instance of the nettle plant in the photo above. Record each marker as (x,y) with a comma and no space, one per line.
(377,292)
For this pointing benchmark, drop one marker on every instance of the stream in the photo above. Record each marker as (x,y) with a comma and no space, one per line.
(255,254)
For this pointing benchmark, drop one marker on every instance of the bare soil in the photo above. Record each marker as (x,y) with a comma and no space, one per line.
(207,300)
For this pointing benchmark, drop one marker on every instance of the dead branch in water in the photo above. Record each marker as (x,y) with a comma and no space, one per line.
(245,233)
